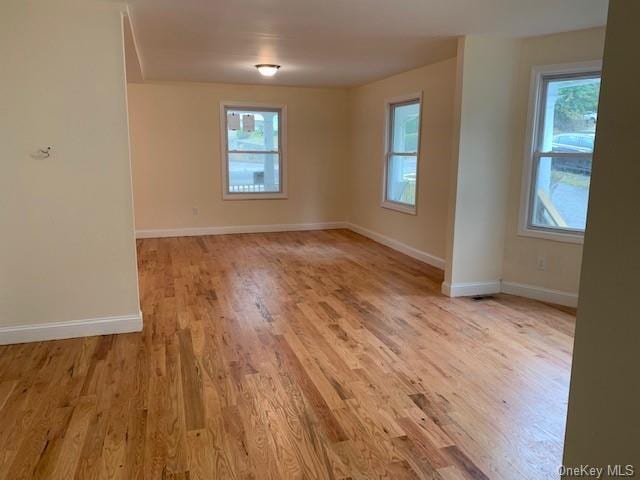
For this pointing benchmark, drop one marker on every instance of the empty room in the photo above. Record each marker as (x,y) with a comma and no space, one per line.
(279,239)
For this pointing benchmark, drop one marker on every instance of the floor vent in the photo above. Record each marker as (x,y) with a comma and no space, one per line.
(481,298)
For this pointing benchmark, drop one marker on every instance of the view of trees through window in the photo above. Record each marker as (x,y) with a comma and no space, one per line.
(577,106)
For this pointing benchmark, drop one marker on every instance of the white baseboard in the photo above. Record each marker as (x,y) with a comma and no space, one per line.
(72,329)
(196,231)
(540,293)
(521,290)
(470,289)
(399,246)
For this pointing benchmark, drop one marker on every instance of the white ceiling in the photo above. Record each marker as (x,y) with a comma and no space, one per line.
(330,42)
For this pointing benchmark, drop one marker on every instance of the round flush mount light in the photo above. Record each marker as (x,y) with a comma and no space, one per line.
(267,69)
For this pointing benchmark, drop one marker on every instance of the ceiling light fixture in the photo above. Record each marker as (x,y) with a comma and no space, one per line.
(267,69)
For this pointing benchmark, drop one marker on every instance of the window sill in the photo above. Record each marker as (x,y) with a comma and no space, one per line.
(399,207)
(254,196)
(553,235)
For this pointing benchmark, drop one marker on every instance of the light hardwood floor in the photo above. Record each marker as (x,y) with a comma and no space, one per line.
(293,355)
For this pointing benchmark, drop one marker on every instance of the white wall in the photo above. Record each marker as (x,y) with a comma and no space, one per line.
(68,249)
(175,135)
(604,420)
(424,231)
(521,253)
(487,69)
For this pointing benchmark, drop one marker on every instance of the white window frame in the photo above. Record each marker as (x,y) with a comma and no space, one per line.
(534,124)
(282,150)
(389,103)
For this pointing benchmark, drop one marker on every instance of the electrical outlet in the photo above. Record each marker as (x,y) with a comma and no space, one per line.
(194,210)
(541,263)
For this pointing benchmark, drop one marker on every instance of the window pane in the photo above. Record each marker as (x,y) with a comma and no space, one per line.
(406,125)
(561,193)
(570,112)
(252,130)
(401,179)
(254,172)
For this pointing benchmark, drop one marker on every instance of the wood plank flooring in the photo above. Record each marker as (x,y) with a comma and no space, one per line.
(315,355)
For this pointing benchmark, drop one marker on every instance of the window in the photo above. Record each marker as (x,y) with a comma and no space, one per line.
(253,161)
(563,117)
(400,179)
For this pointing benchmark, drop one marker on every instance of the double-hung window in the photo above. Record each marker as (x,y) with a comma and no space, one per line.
(253,151)
(563,117)
(400,179)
